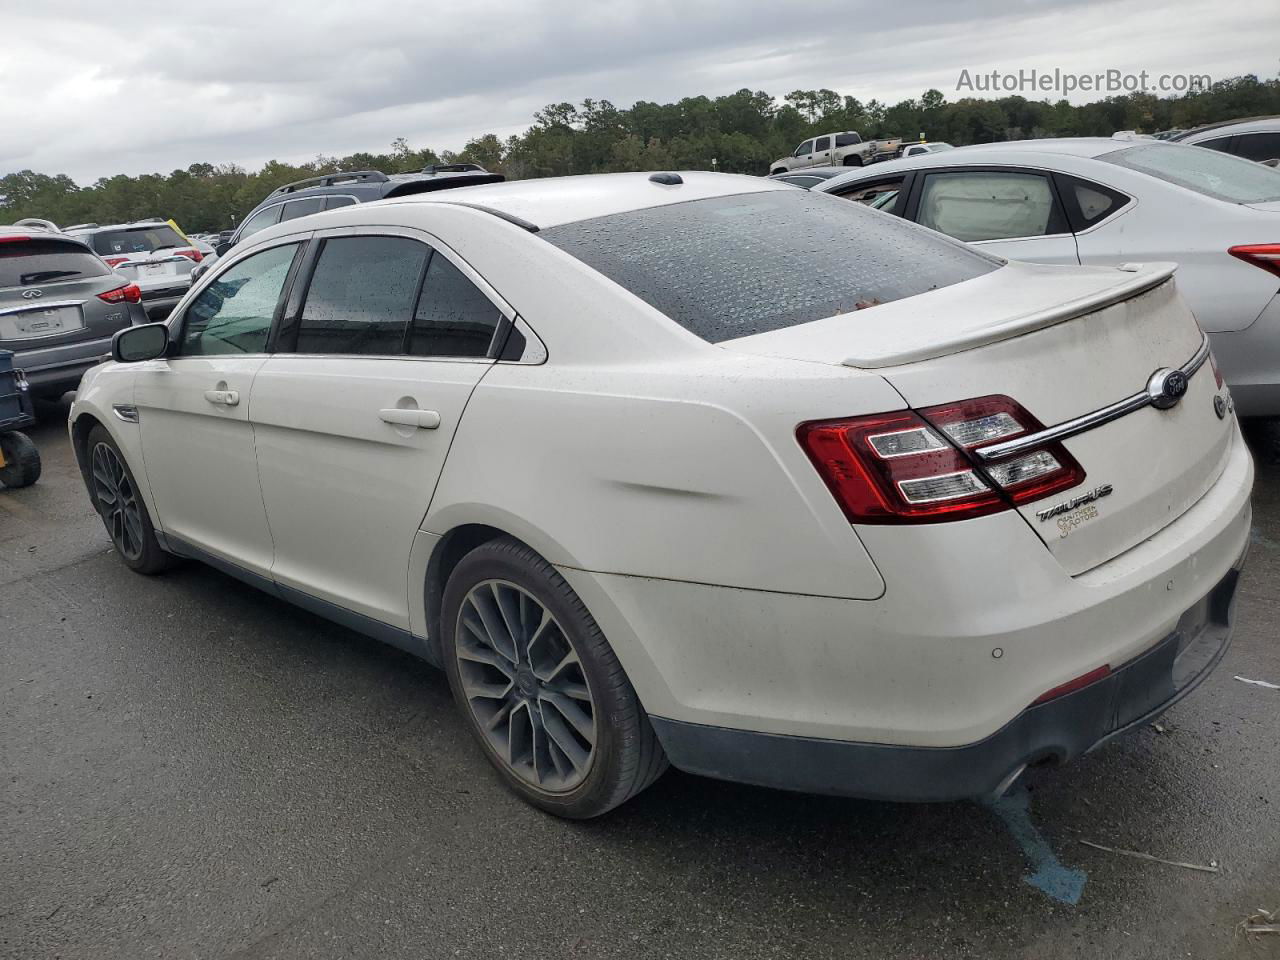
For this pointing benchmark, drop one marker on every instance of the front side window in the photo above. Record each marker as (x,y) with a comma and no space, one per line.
(128,240)
(362,296)
(981,205)
(733,266)
(453,318)
(1207,172)
(233,314)
(260,221)
(804,149)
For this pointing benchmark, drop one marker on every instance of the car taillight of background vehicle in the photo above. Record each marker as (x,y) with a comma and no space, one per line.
(129,293)
(1264,255)
(195,255)
(917,466)
(114,261)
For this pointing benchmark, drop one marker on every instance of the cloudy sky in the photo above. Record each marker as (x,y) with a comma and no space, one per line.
(92,88)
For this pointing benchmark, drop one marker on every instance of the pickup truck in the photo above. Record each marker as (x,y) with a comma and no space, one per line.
(846,149)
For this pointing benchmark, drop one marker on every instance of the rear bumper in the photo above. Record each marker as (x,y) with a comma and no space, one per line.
(55,370)
(1056,731)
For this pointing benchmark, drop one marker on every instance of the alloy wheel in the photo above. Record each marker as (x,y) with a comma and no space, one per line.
(117,501)
(525,686)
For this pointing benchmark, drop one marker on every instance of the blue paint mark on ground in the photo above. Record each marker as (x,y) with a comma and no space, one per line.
(1256,536)
(1048,875)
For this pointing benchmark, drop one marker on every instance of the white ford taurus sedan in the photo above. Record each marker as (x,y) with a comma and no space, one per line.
(699,469)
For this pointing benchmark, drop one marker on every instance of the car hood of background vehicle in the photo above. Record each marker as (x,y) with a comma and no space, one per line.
(1016,299)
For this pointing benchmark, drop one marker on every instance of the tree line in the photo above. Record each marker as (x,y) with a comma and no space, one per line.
(741,132)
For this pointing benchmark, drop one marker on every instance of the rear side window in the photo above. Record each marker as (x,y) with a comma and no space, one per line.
(362,296)
(301,208)
(1221,144)
(1257,146)
(847,139)
(1088,202)
(1206,172)
(822,143)
(453,318)
(37,261)
(332,203)
(734,266)
(990,205)
(128,240)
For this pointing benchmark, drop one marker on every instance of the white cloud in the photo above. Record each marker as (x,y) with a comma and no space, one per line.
(162,86)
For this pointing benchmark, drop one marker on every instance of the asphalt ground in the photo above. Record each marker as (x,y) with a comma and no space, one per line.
(191,768)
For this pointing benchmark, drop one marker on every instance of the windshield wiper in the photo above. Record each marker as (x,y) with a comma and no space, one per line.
(44,276)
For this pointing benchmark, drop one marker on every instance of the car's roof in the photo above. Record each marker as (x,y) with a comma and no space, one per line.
(1226,128)
(39,233)
(811,172)
(131,225)
(552,201)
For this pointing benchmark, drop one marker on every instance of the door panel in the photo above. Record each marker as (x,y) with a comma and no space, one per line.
(349,452)
(199,455)
(197,442)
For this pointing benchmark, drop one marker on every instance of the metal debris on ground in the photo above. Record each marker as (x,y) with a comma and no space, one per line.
(1260,683)
(1260,922)
(1211,868)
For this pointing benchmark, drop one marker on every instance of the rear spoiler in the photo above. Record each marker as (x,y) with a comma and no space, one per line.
(1131,280)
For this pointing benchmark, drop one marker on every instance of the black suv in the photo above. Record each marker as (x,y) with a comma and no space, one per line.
(361,186)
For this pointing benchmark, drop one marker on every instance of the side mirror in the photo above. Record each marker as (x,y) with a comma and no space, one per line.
(222,248)
(150,341)
(1273,162)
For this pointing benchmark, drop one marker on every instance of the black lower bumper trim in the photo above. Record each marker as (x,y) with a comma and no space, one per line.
(1058,730)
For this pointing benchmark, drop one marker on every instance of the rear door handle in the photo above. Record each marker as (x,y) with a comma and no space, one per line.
(226,398)
(423,419)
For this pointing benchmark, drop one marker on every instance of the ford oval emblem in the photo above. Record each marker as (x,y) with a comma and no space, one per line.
(1166,387)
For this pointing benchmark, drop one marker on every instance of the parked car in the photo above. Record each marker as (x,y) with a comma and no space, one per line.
(877,514)
(304,197)
(60,304)
(1257,138)
(845,149)
(810,176)
(151,253)
(1104,201)
(923,146)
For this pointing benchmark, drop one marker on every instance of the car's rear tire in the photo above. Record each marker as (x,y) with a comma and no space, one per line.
(21,460)
(539,686)
(116,498)
(853,160)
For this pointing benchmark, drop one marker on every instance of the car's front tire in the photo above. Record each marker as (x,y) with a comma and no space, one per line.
(117,499)
(539,686)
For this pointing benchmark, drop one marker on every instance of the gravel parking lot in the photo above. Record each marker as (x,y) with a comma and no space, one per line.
(194,769)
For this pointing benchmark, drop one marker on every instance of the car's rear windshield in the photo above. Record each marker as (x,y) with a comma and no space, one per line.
(1214,174)
(25,263)
(734,266)
(127,240)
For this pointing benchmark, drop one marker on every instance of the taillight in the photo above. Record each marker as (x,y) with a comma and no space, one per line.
(922,467)
(114,261)
(1264,255)
(129,293)
(1217,374)
(195,255)
(1071,686)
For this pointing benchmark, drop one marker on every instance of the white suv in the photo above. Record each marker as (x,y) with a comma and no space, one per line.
(877,514)
(150,253)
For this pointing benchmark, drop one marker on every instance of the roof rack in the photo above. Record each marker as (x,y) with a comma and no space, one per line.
(454,168)
(329,179)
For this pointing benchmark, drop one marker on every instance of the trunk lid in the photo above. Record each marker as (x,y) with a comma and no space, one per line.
(1063,342)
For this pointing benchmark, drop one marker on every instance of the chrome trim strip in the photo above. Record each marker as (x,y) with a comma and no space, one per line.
(41,305)
(1088,421)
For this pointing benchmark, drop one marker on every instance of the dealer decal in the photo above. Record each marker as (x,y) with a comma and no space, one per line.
(1097,493)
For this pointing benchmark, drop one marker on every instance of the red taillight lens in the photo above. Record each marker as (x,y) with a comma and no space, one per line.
(1071,686)
(1264,255)
(114,261)
(1217,374)
(920,467)
(195,255)
(129,293)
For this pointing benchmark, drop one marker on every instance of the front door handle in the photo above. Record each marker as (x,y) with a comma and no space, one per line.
(226,398)
(423,419)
